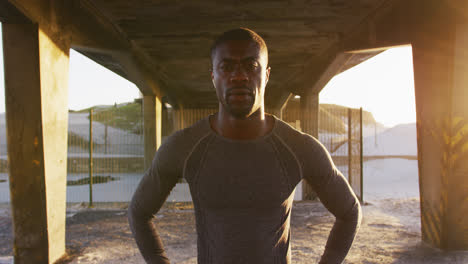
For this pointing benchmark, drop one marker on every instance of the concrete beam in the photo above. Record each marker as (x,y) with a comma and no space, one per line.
(440,59)
(132,68)
(94,32)
(87,25)
(277,110)
(91,30)
(9,14)
(392,24)
(330,71)
(36,80)
(152,116)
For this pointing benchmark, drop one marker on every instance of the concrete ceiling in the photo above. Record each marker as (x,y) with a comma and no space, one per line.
(163,45)
(176,36)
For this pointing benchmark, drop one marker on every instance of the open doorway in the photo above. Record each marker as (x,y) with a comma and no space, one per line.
(105,110)
(383,86)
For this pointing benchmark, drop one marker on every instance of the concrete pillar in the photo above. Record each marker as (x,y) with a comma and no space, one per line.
(36,95)
(152,115)
(440,58)
(179,119)
(309,106)
(276,112)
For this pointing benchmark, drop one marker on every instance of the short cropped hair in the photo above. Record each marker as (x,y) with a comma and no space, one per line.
(239,34)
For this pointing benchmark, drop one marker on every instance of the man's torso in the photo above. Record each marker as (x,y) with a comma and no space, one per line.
(242,192)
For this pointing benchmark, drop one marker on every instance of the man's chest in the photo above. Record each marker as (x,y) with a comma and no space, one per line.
(242,176)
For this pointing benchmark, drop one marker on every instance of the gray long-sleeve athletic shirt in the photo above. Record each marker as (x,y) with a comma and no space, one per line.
(242,192)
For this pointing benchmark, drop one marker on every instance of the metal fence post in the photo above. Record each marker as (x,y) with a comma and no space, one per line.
(350,147)
(105,138)
(361,154)
(91,157)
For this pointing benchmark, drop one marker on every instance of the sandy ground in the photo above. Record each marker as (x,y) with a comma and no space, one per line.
(390,230)
(389,234)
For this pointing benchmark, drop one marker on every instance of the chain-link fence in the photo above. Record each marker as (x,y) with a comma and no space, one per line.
(106,149)
(105,154)
(116,147)
(340,131)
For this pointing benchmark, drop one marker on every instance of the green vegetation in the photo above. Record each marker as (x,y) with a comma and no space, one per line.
(333,118)
(96,179)
(78,141)
(126,117)
(342,112)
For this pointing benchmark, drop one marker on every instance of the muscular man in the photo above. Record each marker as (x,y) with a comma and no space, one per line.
(242,166)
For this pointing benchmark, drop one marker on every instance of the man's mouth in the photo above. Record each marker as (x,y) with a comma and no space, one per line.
(240,91)
(239,95)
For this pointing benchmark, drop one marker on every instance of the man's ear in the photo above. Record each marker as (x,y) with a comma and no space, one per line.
(212,77)
(267,72)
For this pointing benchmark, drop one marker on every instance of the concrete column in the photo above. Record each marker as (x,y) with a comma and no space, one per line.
(36,95)
(179,119)
(440,58)
(276,112)
(152,115)
(309,105)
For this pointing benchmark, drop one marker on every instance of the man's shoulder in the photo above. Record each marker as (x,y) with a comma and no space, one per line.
(177,147)
(287,132)
(187,137)
(295,139)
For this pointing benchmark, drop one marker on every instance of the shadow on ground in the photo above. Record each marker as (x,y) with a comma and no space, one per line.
(388,235)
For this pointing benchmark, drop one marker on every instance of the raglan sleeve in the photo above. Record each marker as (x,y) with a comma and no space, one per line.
(336,195)
(149,197)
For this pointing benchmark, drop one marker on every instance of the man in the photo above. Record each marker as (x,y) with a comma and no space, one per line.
(242,166)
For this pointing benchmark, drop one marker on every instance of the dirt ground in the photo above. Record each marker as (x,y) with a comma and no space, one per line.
(389,233)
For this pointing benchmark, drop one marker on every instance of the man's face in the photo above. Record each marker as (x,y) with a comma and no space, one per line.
(239,76)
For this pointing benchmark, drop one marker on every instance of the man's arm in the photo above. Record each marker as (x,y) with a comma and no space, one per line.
(148,198)
(337,196)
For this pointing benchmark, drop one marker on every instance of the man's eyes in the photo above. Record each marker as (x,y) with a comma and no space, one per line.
(252,65)
(227,67)
(247,66)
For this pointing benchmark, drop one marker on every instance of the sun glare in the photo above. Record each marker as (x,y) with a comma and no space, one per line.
(91,84)
(383,85)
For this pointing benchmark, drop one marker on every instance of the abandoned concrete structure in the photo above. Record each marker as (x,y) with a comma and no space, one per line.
(163,47)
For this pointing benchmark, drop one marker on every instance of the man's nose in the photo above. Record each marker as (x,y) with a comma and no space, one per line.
(239,73)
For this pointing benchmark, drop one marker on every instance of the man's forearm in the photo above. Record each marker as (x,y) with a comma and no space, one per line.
(147,238)
(341,237)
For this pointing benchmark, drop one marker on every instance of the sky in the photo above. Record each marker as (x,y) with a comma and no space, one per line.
(89,84)
(382,85)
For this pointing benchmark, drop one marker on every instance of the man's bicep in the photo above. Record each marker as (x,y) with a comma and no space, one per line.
(153,189)
(336,194)
(328,182)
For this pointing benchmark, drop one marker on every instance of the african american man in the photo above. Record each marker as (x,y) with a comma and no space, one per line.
(242,166)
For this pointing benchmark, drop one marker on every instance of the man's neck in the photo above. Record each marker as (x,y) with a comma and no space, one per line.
(256,125)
